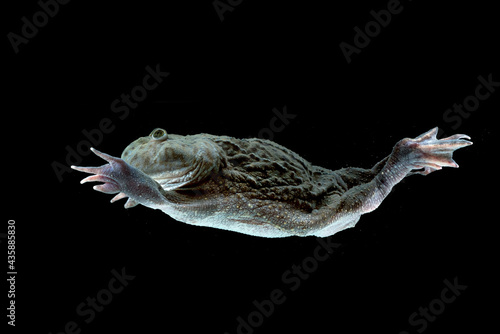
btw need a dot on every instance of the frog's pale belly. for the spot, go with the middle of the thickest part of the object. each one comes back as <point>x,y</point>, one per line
<point>249,227</point>
<point>262,218</point>
<point>230,220</point>
<point>268,230</point>
<point>340,224</point>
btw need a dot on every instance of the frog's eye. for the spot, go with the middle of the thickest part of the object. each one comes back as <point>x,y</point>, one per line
<point>158,134</point>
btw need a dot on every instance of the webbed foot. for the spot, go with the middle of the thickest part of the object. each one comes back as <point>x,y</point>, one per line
<point>115,176</point>
<point>429,154</point>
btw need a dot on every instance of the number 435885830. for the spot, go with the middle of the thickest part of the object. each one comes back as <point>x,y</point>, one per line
<point>11,253</point>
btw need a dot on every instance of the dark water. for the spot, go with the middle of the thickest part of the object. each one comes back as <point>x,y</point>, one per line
<point>97,75</point>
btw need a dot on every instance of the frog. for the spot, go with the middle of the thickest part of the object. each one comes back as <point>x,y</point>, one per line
<point>256,186</point>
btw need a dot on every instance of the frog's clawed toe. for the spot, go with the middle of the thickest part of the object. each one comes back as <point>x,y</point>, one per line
<point>429,154</point>
<point>130,202</point>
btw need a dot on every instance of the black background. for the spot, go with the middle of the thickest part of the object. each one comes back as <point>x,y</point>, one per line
<point>225,78</point>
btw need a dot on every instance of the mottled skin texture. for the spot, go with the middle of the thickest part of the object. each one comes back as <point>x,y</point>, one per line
<point>256,186</point>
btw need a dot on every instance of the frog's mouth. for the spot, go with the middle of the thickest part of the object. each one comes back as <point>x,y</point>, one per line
<point>176,179</point>
<point>189,175</point>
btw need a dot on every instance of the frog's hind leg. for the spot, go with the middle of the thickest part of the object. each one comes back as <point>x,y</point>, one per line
<point>421,155</point>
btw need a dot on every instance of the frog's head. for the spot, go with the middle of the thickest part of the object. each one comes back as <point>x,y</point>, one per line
<point>173,160</point>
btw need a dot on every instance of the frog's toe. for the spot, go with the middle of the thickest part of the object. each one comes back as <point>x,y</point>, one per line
<point>130,202</point>
<point>109,158</point>
<point>107,188</point>
<point>97,178</point>
<point>118,197</point>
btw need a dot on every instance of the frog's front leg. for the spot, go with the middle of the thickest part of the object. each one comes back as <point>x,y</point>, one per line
<point>120,177</point>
